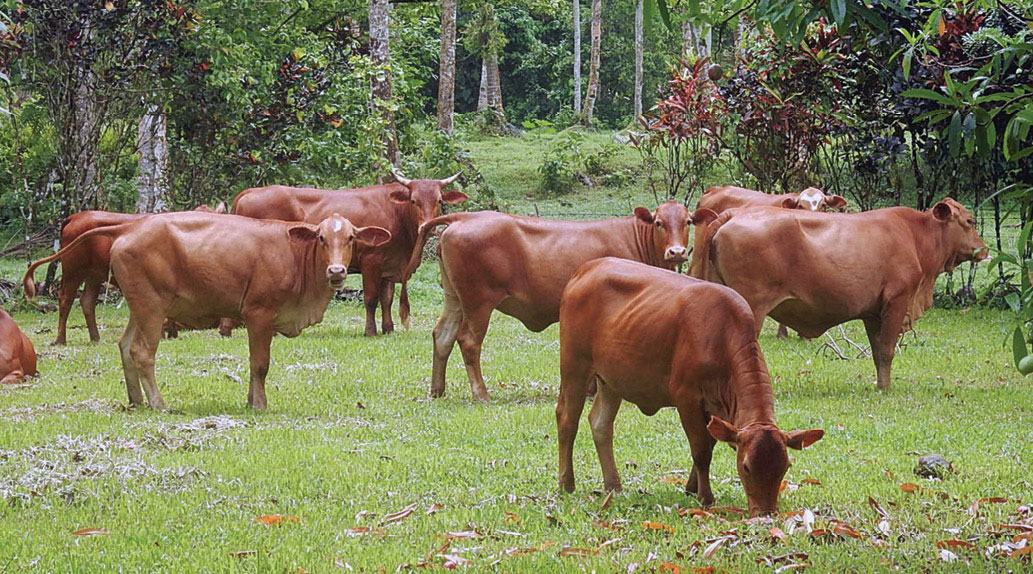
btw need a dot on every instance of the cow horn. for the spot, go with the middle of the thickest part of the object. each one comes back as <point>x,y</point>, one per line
<point>400,178</point>
<point>449,180</point>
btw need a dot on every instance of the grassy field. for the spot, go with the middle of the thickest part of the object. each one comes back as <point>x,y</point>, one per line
<point>355,469</point>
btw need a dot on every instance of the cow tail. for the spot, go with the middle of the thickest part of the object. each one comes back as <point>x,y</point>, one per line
<point>28,282</point>
<point>403,305</point>
<point>703,257</point>
<point>421,241</point>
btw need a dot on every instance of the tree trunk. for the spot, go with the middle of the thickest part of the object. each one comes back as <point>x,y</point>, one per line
<point>152,182</point>
<point>80,117</point>
<point>482,95</point>
<point>696,40</point>
<point>380,53</point>
<point>447,66</point>
<point>638,59</point>
<point>493,89</point>
<point>577,56</point>
<point>593,67</point>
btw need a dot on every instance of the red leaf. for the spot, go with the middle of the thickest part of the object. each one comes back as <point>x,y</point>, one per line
<point>956,544</point>
<point>92,532</point>
<point>274,519</point>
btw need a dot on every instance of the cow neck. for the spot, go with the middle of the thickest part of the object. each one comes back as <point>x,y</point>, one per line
<point>408,229</point>
<point>645,240</point>
<point>310,283</point>
<point>749,398</point>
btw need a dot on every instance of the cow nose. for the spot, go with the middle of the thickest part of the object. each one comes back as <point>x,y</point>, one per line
<point>675,253</point>
<point>335,270</point>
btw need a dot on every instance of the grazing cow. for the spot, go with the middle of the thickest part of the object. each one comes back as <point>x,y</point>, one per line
<point>196,268</point>
<point>397,207</point>
<point>813,271</point>
<point>661,339</point>
<point>723,198</point>
<point>17,355</point>
<point>89,264</point>
<point>520,265</point>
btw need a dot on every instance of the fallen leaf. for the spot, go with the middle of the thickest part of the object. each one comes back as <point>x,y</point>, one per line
<point>845,530</point>
<point>243,553</point>
<point>728,510</point>
<point>400,515</point>
<point>772,560</point>
<point>948,556</point>
<point>782,485</point>
<point>92,532</point>
<point>974,509</point>
<point>569,551</point>
<point>878,508</point>
<point>714,547</point>
<point>605,524</point>
<point>607,543</point>
<point>909,487</point>
<point>956,544</point>
<point>813,481</point>
<point>657,526</point>
<point>697,512</point>
<point>777,533</point>
<point>789,567</point>
<point>889,473</point>
<point>607,500</point>
<point>1022,527</point>
<point>512,517</point>
<point>808,519</point>
<point>704,570</point>
<point>434,508</point>
<point>274,519</point>
<point>340,563</point>
<point>1024,551</point>
<point>675,480</point>
<point>454,559</point>
<point>363,530</point>
<point>301,570</point>
<point>668,567</point>
<point>463,534</point>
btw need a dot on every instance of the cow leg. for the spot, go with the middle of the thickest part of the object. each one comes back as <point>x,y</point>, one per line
<point>884,345</point>
<point>694,421</point>
<point>601,417</point>
<point>471,336</point>
<point>573,381</point>
<point>783,332</point>
<point>387,297</point>
<point>88,300</point>
<point>226,327</point>
<point>142,350</point>
<point>128,367</point>
<point>260,338</point>
<point>371,294</point>
<point>65,299</point>
<point>445,333</point>
<point>403,306</point>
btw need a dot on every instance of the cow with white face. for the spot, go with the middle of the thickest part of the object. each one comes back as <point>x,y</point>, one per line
<point>814,199</point>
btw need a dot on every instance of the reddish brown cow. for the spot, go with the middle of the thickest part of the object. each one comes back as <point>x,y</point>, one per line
<point>90,264</point>
<point>397,207</point>
<point>17,355</point>
<point>813,271</point>
<point>196,268</point>
<point>721,199</point>
<point>520,265</point>
<point>661,339</point>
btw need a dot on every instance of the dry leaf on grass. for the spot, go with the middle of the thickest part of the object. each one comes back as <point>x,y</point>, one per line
<point>813,481</point>
<point>715,546</point>
<point>274,519</point>
<point>974,509</point>
<point>400,515</point>
<point>909,487</point>
<point>570,551</point>
<point>243,553</point>
<point>363,530</point>
<point>434,508</point>
<point>878,509</point>
<point>92,532</point>
<point>777,533</point>
<point>512,517</point>
<point>607,500</point>
<point>956,544</point>
<point>657,526</point>
<point>668,567</point>
<point>675,480</point>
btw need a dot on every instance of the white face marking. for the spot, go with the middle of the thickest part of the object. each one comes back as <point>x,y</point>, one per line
<point>812,198</point>
<point>338,224</point>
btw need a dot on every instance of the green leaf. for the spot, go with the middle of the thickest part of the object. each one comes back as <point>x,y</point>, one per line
<point>694,8</point>
<point>1020,243</point>
<point>1018,345</point>
<point>928,95</point>
<point>907,62</point>
<point>954,134</point>
<point>665,14</point>
<point>1012,299</point>
<point>838,11</point>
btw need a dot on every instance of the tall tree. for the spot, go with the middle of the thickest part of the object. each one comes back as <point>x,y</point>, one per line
<point>593,66</point>
<point>696,39</point>
<point>152,147</point>
<point>639,48</point>
<point>577,56</point>
<point>447,65</point>
<point>484,38</point>
<point>380,53</point>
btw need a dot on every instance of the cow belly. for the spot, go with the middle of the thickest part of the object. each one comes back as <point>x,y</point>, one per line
<point>806,320</point>
<point>535,315</point>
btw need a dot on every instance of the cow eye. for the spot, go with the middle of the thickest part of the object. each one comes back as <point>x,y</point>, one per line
<point>971,221</point>
<point>659,223</point>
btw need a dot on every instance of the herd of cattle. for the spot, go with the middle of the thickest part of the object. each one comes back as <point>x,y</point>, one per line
<point>631,328</point>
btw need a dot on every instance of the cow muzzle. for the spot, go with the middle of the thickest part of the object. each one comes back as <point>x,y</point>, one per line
<point>335,275</point>
<point>676,254</point>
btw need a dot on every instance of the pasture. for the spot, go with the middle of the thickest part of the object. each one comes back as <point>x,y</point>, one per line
<point>353,468</point>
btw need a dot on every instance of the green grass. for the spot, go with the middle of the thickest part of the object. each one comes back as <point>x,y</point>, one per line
<point>350,438</point>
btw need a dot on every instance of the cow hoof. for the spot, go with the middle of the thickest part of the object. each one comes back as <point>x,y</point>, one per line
<point>58,344</point>
<point>482,398</point>
<point>437,393</point>
<point>881,386</point>
<point>388,329</point>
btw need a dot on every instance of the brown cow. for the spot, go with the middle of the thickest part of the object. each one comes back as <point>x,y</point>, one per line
<point>17,355</point>
<point>89,264</point>
<point>520,265</point>
<point>661,339</point>
<point>723,198</point>
<point>813,271</point>
<point>196,268</point>
<point>398,207</point>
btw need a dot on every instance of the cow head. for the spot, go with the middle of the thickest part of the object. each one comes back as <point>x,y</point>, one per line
<point>335,239</point>
<point>220,208</point>
<point>761,458</point>
<point>425,196</point>
<point>671,220</point>
<point>961,237</point>
<point>814,199</point>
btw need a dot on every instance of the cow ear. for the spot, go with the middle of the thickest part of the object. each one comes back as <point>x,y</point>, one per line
<point>800,439</point>
<point>372,236</point>
<point>835,201</point>
<point>303,233</point>
<point>221,207</point>
<point>722,430</point>
<point>790,203</point>
<point>400,195</point>
<point>644,214</point>
<point>703,216</point>
<point>942,211</point>
<point>453,197</point>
